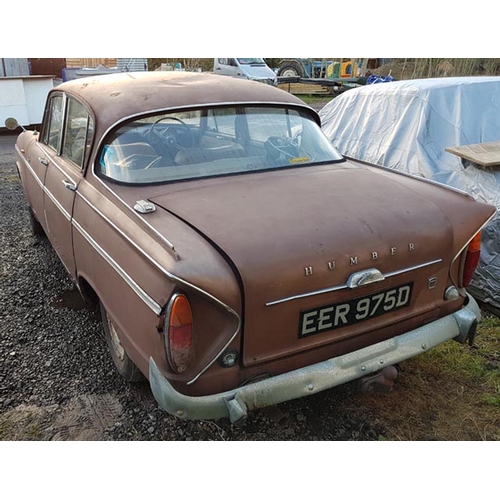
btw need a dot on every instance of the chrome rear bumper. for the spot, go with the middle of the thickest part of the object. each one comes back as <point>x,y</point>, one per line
<point>235,404</point>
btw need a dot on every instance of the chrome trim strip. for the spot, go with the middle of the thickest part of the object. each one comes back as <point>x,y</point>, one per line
<point>168,274</point>
<point>413,268</point>
<point>169,244</point>
<point>172,277</point>
<point>188,107</point>
<point>472,237</point>
<point>154,306</point>
<point>238,327</point>
<point>57,204</point>
<point>308,294</point>
<point>51,160</point>
<point>28,166</point>
<point>133,243</point>
<point>66,214</point>
<point>467,244</point>
<point>346,285</point>
<point>411,176</point>
<point>173,109</point>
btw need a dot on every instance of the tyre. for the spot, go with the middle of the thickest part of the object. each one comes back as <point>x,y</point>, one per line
<point>36,227</point>
<point>125,366</point>
<point>291,69</point>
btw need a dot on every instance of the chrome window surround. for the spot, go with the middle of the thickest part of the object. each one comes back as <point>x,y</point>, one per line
<point>174,109</point>
<point>65,99</point>
<point>49,121</point>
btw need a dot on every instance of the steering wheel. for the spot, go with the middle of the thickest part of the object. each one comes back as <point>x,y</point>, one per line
<point>170,138</point>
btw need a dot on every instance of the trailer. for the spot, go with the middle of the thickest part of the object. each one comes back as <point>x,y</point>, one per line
<point>315,68</point>
<point>322,76</point>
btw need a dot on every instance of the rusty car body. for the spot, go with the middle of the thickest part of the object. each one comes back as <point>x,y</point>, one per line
<point>238,259</point>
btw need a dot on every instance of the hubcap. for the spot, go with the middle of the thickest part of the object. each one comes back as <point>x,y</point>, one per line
<point>115,341</point>
<point>289,72</point>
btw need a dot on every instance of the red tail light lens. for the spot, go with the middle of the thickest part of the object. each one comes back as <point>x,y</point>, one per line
<point>179,333</point>
<point>471,259</point>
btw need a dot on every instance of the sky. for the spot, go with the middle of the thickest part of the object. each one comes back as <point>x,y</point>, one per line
<point>387,28</point>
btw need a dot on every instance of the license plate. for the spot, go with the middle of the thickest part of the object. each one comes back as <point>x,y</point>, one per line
<point>333,316</point>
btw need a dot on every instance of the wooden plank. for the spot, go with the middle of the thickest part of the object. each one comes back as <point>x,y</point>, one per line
<point>90,62</point>
<point>485,154</point>
<point>305,88</point>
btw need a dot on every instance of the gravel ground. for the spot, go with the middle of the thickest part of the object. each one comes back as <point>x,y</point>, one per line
<point>58,382</point>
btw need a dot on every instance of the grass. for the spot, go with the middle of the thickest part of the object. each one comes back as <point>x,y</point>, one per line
<point>23,423</point>
<point>450,393</point>
<point>313,99</point>
<point>5,430</point>
<point>11,178</point>
<point>478,365</point>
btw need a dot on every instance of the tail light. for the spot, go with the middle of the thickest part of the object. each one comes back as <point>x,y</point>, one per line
<point>471,259</point>
<point>179,333</point>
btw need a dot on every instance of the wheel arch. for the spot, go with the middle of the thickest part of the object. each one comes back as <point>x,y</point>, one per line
<point>87,291</point>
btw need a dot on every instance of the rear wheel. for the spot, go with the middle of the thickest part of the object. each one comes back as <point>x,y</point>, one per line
<point>291,69</point>
<point>125,366</point>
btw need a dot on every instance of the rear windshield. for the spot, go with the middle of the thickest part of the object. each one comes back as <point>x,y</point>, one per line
<point>212,142</point>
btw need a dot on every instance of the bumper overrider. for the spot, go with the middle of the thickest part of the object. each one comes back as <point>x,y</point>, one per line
<point>236,403</point>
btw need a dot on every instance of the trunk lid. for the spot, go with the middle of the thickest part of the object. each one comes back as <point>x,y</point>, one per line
<point>302,240</point>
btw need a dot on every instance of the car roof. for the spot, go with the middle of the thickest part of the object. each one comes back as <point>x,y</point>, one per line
<point>116,96</point>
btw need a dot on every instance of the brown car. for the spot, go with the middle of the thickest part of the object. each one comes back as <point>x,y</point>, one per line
<point>238,259</point>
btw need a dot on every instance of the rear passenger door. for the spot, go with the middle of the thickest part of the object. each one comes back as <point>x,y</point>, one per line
<point>64,173</point>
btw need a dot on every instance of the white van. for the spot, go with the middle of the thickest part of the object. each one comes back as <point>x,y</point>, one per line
<point>252,68</point>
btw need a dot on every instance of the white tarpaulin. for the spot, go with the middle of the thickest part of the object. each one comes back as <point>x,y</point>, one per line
<point>407,125</point>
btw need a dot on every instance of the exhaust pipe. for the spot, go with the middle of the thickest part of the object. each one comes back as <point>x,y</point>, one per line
<point>380,382</point>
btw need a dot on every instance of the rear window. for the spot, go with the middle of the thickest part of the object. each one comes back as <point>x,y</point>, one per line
<point>211,142</point>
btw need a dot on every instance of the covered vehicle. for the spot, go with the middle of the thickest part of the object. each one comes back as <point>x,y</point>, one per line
<point>413,126</point>
<point>238,259</point>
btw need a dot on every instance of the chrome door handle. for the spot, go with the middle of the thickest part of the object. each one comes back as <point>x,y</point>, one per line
<point>69,185</point>
<point>43,161</point>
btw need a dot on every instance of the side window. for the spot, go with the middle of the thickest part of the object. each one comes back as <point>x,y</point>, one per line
<point>77,132</point>
<point>52,132</point>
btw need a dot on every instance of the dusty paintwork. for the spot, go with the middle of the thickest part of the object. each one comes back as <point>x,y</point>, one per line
<point>285,265</point>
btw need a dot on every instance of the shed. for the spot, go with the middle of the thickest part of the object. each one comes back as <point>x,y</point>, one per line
<point>14,67</point>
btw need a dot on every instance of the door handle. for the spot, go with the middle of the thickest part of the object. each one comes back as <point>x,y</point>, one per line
<point>43,161</point>
<point>69,185</point>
